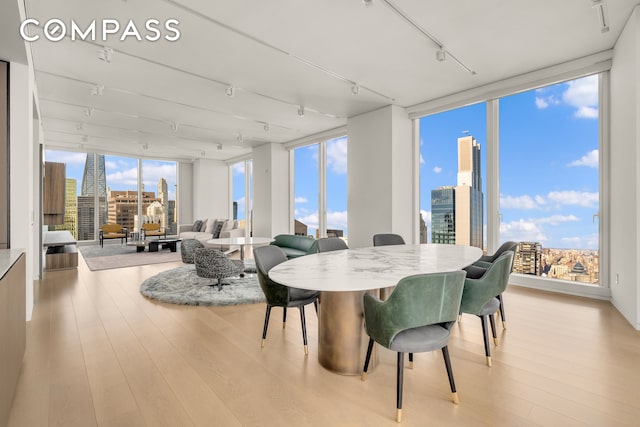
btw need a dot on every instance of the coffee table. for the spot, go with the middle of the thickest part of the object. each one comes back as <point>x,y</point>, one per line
<point>165,243</point>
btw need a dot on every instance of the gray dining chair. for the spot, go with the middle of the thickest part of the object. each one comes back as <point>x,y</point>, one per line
<point>328,244</point>
<point>479,296</point>
<point>478,268</point>
<point>279,295</point>
<point>385,239</point>
<point>417,317</point>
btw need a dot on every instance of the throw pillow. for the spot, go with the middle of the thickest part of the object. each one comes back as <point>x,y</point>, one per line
<point>211,222</point>
<point>196,225</point>
<point>217,228</point>
<point>203,227</point>
<point>228,225</point>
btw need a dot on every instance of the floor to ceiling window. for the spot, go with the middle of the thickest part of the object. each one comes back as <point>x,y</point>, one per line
<point>161,176</point>
<point>103,189</point>
<point>242,194</point>
<point>549,180</point>
<point>306,180</point>
<point>320,189</point>
<point>452,176</point>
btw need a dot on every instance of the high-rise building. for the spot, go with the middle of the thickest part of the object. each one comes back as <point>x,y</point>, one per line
<point>457,212</point>
<point>70,209</point>
<point>94,177</point>
<point>528,258</point>
<point>163,195</point>
<point>123,207</point>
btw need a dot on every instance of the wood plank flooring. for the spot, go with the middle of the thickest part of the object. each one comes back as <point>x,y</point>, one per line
<point>98,353</point>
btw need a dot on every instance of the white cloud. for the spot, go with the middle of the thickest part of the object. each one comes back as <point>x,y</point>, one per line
<point>127,178</point>
<point>583,95</point>
<point>110,165</point>
<point>522,231</point>
<point>337,155</point>
<point>300,199</point>
<point>587,113</point>
<point>574,198</point>
<point>437,169</point>
<point>65,157</point>
<point>559,198</point>
<point>541,103</point>
<point>582,242</point>
<point>519,202</point>
<point>238,168</point>
<point>421,159</point>
<point>590,159</point>
<point>555,219</point>
<point>310,220</point>
<point>337,220</point>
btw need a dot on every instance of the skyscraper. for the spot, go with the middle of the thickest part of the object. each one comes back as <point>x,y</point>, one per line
<point>457,212</point>
<point>70,209</point>
<point>93,178</point>
<point>528,258</point>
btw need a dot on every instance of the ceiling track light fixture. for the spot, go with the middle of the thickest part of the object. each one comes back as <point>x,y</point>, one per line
<point>355,89</point>
<point>145,146</point>
<point>105,54</point>
<point>230,91</point>
<point>301,110</point>
<point>97,90</point>
<point>367,2</point>
<point>84,138</point>
<point>89,111</point>
<point>80,126</point>
<point>441,55</point>
<point>598,5</point>
<point>174,127</point>
<point>240,138</point>
<point>266,127</point>
<point>428,35</point>
<point>219,146</point>
<point>202,153</point>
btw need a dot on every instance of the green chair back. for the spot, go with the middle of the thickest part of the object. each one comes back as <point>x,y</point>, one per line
<point>477,292</point>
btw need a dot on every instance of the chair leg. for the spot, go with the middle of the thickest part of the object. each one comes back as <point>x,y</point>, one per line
<point>410,360</point>
<point>219,284</point>
<point>399,386</point>
<point>485,334</point>
<point>266,325</point>
<point>366,359</point>
<point>492,321</point>
<point>452,383</point>
<point>284,317</point>
<point>304,329</point>
<point>502,318</point>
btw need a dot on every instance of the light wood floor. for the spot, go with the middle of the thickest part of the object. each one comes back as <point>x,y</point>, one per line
<point>98,353</point>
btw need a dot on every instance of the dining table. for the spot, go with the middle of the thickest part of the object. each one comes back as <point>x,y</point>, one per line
<point>343,277</point>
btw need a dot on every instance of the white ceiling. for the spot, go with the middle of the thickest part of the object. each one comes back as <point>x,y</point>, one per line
<point>280,54</point>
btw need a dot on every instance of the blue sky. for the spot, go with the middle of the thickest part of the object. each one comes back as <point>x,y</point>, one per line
<point>548,161</point>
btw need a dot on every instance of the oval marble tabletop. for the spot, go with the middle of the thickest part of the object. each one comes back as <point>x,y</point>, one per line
<point>371,268</point>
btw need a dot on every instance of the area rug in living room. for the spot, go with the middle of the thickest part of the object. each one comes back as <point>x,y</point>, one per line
<point>182,285</point>
<point>120,256</point>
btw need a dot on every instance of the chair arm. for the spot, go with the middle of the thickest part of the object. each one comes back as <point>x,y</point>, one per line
<point>235,232</point>
<point>185,227</point>
<point>377,320</point>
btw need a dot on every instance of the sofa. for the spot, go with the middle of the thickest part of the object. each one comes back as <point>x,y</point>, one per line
<point>295,246</point>
<point>211,228</point>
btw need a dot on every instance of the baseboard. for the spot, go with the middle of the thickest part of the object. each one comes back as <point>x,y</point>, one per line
<point>561,286</point>
<point>634,322</point>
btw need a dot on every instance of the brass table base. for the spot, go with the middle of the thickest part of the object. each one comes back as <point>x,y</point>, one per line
<point>342,341</point>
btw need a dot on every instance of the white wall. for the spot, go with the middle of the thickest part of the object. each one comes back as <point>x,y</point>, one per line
<point>270,190</point>
<point>22,212</point>
<point>184,202</point>
<point>380,184</point>
<point>210,189</point>
<point>625,179</point>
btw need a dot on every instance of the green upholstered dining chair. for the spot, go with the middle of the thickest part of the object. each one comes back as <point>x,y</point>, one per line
<point>479,296</point>
<point>478,268</point>
<point>279,295</point>
<point>416,318</point>
<point>328,244</point>
<point>385,239</point>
